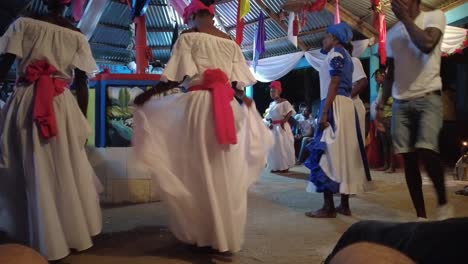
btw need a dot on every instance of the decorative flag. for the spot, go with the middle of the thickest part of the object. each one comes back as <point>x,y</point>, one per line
<point>337,13</point>
<point>243,9</point>
<point>78,6</point>
<point>291,36</point>
<point>175,34</point>
<point>382,39</point>
<point>259,42</point>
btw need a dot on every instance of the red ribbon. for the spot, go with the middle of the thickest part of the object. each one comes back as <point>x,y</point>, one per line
<point>40,73</point>
<point>382,39</point>
<point>216,81</point>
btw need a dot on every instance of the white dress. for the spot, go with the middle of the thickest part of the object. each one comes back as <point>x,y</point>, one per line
<point>337,161</point>
<point>48,189</point>
<point>282,156</point>
<point>204,183</point>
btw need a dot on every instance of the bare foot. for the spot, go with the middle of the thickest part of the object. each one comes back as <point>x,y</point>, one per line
<point>322,213</point>
<point>391,170</point>
<point>343,210</point>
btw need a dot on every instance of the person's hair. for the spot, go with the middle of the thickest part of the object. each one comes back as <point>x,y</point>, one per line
<point>349,47</point>
<point>302,105</point>
<point>379,71</point>
<point>55,6</point>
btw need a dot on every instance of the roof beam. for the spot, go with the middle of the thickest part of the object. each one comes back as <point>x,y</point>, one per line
<point>124,48</point>
<point>277,19</point>
<point>149,29</point>
<point>453,5</point>
<point>248,23</point>
<point>301,34</point>
<point>354,21</point>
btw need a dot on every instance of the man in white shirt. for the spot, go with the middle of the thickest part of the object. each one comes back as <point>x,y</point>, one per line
<point>413,47</point>
<point>306,128</point>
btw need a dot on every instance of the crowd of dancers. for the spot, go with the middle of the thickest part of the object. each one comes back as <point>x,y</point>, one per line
<point>49,192</point>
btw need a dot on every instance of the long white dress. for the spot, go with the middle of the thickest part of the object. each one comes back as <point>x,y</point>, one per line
<point>204,183</point>
<point>48,189</point>
<point>282,156</point>
<point>337,161</point>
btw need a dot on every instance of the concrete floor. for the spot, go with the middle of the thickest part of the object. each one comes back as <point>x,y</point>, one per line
<point>277,230</point>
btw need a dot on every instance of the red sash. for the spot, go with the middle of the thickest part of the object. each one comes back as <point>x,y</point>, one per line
<point>216,81</point>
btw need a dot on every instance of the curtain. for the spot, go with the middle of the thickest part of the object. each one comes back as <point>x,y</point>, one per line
<point>273,68</point>
<point>453,39</point>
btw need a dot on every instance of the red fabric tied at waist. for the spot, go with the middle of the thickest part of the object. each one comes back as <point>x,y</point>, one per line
<point>277,122</point>
<point>47,87</point>
<point>216,81</point>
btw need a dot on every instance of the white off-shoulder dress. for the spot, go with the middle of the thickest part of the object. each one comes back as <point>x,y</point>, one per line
<point>48,189</point>
<point>204,183</point>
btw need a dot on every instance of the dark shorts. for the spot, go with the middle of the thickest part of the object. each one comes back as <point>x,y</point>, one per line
<point>416,124</point>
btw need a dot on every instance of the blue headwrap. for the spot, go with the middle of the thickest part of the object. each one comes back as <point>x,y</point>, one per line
<point>341,31</point>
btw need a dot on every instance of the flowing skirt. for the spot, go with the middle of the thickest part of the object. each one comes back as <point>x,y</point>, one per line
<point>48,189</point>
<point>282,156</point>
<point>204,183</point>
<point>337,161</point>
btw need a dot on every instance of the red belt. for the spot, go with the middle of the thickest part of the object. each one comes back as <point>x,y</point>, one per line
<point>47,87</point>
<point>216,81</point>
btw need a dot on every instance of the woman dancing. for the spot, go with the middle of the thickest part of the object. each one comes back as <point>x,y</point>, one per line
<point>281,157</point>
<point>225,143</point>
<point>48,189</point>
<point>337,153</point>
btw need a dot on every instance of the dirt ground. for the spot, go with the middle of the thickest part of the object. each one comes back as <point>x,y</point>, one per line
<point>277,230</point>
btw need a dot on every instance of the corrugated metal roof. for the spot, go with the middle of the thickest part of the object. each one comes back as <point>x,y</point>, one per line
<point>112,35</point>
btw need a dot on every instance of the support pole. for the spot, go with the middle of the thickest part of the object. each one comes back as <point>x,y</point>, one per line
<point>141,45</point>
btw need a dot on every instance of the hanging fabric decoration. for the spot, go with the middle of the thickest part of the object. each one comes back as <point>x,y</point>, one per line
<point>337,12</point>
<point>382,38</point>
<point>78,6</point>
<point>259,42</point>
<point>291,36</point>
<point>296,26</point>
<point>455,41</point>
<point>381,25</point>
<point>243,9</point>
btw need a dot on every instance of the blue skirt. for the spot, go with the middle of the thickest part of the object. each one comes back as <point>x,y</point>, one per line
<point>317,149</point>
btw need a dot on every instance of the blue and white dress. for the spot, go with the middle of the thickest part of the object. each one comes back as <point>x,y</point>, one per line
<point>337,161</point>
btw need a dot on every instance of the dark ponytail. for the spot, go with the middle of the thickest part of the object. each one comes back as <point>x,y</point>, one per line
<point>207,2</point>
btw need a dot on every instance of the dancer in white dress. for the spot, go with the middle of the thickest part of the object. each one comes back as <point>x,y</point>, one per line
<point>282,156</point>
<point>48,190</point>
<point>203,148</point>
<point>337,160</point>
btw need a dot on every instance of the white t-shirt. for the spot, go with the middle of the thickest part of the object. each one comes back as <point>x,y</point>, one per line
<point>358,72</point>
<point>416,73</point>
